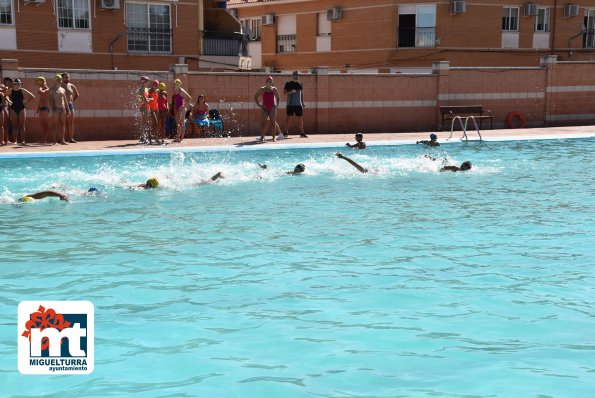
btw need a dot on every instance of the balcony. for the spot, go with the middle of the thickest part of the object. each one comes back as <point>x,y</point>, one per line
<point>149,41</point>
<point>286,43</point>
<point>224,44</point>
<point>417,37</point>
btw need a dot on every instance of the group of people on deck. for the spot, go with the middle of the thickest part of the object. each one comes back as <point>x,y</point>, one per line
<point>55,110</point>
<point>162,117</point>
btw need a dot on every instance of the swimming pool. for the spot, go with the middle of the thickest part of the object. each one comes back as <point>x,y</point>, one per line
<point>400,282</point>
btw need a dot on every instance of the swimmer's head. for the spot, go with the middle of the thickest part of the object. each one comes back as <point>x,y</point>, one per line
<point>151,183</point>
<point>156,83</point>
<point>58,77</point>
<point>433,137</point>
<point>40,80</point>
<point>466,166</point>
<point>26,199</point>
<point>359,136</point>
<point>162,86</point>
<point>269,79</point>
<point>16,81</point>
<point>144,79</point>
<point>177,82</point>
<point>300,168</point>
<point>94,190</point>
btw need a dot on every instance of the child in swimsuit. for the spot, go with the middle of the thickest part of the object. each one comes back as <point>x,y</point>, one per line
<point>180,98</point>
<point>162,112</point>
<point>43,107</point>
<point>201,114</point>
<point>18,98</point>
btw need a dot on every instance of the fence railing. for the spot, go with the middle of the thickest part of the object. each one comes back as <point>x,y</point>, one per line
<point>147,40</point>
<point>224,44</point>
<point>417,37</point>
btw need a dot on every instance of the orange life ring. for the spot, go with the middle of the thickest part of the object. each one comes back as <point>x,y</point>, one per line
<point>511,118</point>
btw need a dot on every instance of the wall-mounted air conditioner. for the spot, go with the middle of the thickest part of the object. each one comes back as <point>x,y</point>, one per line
<point>334,14</point>
<point>109,4</point>
<point>34,1</point>
<point>458,7</point>
<point>530,9</point>
<point>571,10</point>
<point>267,19</point>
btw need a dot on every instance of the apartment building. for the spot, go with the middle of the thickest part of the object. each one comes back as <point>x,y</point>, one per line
<point>119,34</point>
<point>405,35</point>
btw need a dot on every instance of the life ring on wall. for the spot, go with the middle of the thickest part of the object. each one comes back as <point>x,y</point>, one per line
<point>511,118</point>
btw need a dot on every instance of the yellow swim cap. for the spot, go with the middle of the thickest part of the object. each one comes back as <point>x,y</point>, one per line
<point>178,82</point>
<point>26,199</point>
<point>162,86</point>
<point>40,79</point>
<point>58,76</point>
<point>152,182</point>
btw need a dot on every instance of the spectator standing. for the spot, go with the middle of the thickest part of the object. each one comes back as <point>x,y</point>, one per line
<point>18,112</point>
<point>43,107</point>
<point>270,101</point>
<point>72,94</point>
<point>59,106</point>
<point>295,103</point>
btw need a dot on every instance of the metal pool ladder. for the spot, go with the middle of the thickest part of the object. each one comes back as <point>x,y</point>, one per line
<point>464,126</point>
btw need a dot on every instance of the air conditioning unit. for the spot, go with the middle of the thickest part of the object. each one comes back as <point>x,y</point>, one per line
<point>334,14</point>
<point>233,13</point>
<point>571,10</point>
<point>458,7</point>
<point>268,19</point>
<point>34,2</point>
<point>109,4</point>
<point>530,9</point>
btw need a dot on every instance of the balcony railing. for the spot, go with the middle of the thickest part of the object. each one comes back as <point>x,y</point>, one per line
<point>589,38</point>
<point>417,37</point>
<point>146,40</point>
<point>224,44</point>
<point>286,43</point>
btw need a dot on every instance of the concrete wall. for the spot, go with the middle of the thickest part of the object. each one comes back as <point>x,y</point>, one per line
<point>556,94</point>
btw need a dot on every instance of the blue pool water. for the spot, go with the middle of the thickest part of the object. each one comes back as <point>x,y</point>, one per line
<point>404,282</point>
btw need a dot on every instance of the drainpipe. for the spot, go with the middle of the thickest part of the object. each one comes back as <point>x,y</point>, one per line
<point>201,24</point>
<point>111,47</point>
<point>553,39</point>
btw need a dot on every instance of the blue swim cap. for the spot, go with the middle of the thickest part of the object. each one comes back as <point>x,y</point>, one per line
<point>433,136</point>
<point>93,190</point>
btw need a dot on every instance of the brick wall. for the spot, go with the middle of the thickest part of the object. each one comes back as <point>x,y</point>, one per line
<point>557,94</point>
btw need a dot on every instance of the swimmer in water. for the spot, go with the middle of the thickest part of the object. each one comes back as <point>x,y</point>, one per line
<point>360,143</point>
<point>43,194</point>
<point>297,170</point>
<point>433,141</point>
<point>464,167</point>
<point>153,182</point>
<point>352,162</point>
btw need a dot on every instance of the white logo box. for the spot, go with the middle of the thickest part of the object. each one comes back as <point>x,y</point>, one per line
<point>29,354</point>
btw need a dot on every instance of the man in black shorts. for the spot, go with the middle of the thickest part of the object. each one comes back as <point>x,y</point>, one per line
<point>295,104</point>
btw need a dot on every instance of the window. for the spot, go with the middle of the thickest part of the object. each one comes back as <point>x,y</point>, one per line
<point>324,25</point>
<point>286,34</point>
<point>251,28</point>
<point>149,28</point>
<point>73,14</point>
<point>510,19</point>
<point>589,35</point>
<point>5,12</point>
<point>542,20</point>
<point>417,26</point>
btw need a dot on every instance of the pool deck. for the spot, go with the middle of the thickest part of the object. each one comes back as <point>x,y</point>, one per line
<point>294,140</point>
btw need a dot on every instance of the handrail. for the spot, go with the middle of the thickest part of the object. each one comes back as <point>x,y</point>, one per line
<point>463,127</point>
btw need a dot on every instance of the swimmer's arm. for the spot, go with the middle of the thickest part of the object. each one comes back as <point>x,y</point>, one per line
<point>257,97</point>
<point>45,194</point>
<point>352,162</point>
<point>29,94</point>
<point>277,97</point>
<point>450,168</point>
<point>75,93</point>
<point>262,166</point>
